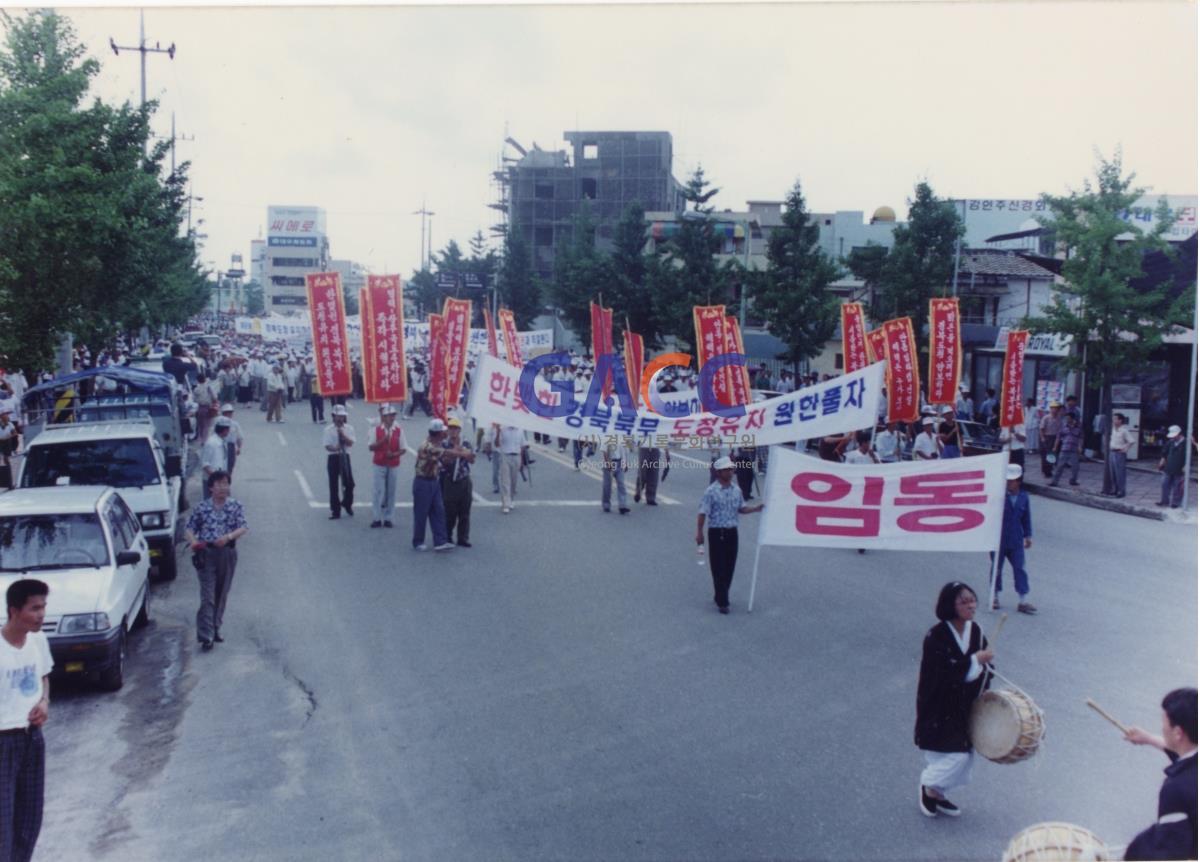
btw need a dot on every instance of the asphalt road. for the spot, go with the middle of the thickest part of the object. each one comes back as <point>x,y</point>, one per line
<point>566,690</point>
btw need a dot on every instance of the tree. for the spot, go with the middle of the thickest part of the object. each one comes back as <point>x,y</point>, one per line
<point>92,240</point>
<point>252,296</point>
<point>350,297</point>
<point>866,263</point>
<point>633,272</point>
<point>581,274</point>
<point>519,288</point>
<point>422,289</point>
<point>792,295</point>
<point>1113,325</point>
<point>482,263</point>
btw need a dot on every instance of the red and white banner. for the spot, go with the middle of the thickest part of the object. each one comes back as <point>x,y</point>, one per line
<point>877,346</point>
<point>330,349</point>
<point>602,339</point>
<point>635,359</point>
<point>945,351</point>
<point>903,384</point>
<point>709,321</point>
<point>437,365</point>
<point>381,306</point>
<point>456,315</point>
<point>854,338</point>
<point>954,505</point>
<point>1012,390</point>
<point>739,377</point>
<point>512,343</point>
<point>490,326</point>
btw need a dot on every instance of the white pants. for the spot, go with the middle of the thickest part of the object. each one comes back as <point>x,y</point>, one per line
<point>945,770</point>
<point>383,492</point>
<point>510,468</point>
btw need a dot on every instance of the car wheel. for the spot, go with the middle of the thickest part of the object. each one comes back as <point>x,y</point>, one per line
<point>113,678</point>
<point>143,615</point>
<point>166,566</point>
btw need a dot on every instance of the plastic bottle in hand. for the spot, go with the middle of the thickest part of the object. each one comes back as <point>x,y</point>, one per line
<point>699,555</point>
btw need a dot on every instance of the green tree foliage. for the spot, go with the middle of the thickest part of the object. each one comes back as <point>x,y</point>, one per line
<point>581,275</point>
<point>634,272</point>
<point>252,297</point>
<point>422,289</point>
<point>483,263</point>
<point>866,263</point>
<point>90,237</point>
<point>792,295</point>
<point>1114,325</point>
<point>519,288</point>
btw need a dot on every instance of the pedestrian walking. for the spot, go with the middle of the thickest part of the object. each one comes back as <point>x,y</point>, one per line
<point>213,530</point>
<point>927,447</point>
<point>510,443</point>
<point>276,393</point>
<point>650,465</point>
<point>8,445</point>
<point>1016,537</point>
<point>720,506</point>
<point>387,449</point>
<point>316,403</point>
<point>1171,464</point>
<point>214,455</point>
<point>953,663</point>
<point>457,490</point>
<point>25,665</point>
<point>1119,441</point>
<point>613,466</point>
<point>1013,439</point>
<point>1173,836</point>
<point>233,443</point>
<point>420,383</point>
<point>428,504</point>
<point>1068,448</point>
<point>338,439</point>
<point>206,407</point>
<point>1048,430</point>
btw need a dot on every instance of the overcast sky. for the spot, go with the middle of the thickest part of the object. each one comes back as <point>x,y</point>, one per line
<point>368,112</point>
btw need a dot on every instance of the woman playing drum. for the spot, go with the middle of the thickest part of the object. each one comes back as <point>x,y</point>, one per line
<point>952,676</point>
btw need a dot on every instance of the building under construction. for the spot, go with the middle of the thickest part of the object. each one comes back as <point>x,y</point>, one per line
<point>539,192</point>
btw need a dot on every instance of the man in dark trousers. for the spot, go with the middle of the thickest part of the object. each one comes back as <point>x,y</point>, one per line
<point>338,439</point>
<point>1016,536</point>
<point>720,507</point>
<point>456,484</point>
<point>1173,836</point>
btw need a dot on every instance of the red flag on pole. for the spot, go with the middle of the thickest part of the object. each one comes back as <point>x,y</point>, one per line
<point>493,347</point>
<point>602,340</point>
<point>945,351</point>
<point>904,385</point>
<point>876,346</point>
<point>512,346</point>
<point>635,357</point>
<point>437,365</point>
<point>1012,390</point>
<point>328,313</point>
<point>381,304</point>
<point>709,322</point>
<point>456,314</point>
<point>739,377</point>
<point>854,337</point>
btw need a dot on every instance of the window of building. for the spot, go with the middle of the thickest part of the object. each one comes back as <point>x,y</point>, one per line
<point>588,188</point>
<point>543,235</point>
<point>544,191</point>
<point>591,151</point>
<point>837,362</point>
<point>293,261</point>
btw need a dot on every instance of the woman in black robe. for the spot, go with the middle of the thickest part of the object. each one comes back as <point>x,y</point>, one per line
<point>953,674</point>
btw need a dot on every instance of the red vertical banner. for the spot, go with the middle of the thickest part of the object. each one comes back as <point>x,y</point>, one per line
<point>602,340</point>
<point>945,351</point>
<point>876,346</point>
<point>381,309</point>
<point>456,315</point>
<point>493,347</point>
<point>709,321</point>
<point>327,310</point>
<point>854,338</point>
<point>512,345</point>
<point>635,359</point>
<point>904,385</point>
<point>1012,390</point>
<point>437,365</point>
<point>739,377</point>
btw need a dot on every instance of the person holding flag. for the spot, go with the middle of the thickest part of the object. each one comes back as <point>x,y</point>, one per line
<point>720,506</point>
<point>387,449</point>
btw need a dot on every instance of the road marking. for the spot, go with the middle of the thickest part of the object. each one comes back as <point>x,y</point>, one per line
<point>495,504</point>
<point>595,471</point>
<point>282,439</point>
<point>308,494</point>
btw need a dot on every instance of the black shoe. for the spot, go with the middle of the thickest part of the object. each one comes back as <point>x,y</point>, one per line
<point>724,609</point>
<point>637,498</point>
<point>862,550</point>
<point>349,511</point>
<point>623,511</point>
<point>945,806</point>
<point>206,646</point>
<point>464,544</point>
<point>651,503</point>
<point>334,517</point>
<point>1119,496</point>
<point>1160,504</point>
<point>217,637</point>
<point>929,805</point>
<point>375,524</point>
<point>387,524</point>
<point>1074,483</point>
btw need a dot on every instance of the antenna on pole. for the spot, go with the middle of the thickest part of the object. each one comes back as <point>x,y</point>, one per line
<point>143,50</point>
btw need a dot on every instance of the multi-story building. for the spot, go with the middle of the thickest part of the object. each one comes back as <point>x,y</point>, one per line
<point>258,261</point>
<point>354,276</point>
<point>297,244</point>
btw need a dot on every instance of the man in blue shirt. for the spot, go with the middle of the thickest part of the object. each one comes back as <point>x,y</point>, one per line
<point>721,504</point>
<point>1069,448</point>
<point>1016,535</point>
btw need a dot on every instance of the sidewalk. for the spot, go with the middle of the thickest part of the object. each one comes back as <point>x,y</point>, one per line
<point>1142,489</point>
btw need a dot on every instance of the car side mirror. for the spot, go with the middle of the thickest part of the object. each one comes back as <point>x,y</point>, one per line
<point>174,466</point>
<point>128,558</point>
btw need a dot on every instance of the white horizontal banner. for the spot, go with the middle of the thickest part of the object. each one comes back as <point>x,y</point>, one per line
<point>951,505</point>
<point>416,335</point>
<point>836,406</point>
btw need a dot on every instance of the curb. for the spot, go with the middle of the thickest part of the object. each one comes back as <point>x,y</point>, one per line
<point>1095,502</point>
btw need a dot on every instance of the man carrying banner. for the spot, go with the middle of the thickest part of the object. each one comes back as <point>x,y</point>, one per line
<point>613,466</point>
<point>648,473</point>
<point>388,448</point>
<point>927,446</point>
<point>427,491</point>
<point>456,484</point>
<point>720,506</point>
<point>338,439</point>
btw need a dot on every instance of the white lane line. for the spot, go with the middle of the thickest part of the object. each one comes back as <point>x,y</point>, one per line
<point>596,472</point>
<point>492,504</point>
<point>680,455</point>
<point>308,494</point>
<point>282,439</point>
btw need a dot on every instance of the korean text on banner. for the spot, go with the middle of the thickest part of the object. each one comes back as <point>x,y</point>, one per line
<point>437,365</point>
<point>877,345</point>
<point>836,406</point>
<point>854,337</point>
<point>739,377</point>
<point>953,505</point>
<point>1012,390</point>
<point>456,314</point>
<point>490,326</point>
<point>709,321</point>
<point>512,344</point>
<point>602,340</point>
<point>330,349</point>
<point>945,351</point>
<point>635,360</point>
<point>904,385</point>
<point>385,372</point>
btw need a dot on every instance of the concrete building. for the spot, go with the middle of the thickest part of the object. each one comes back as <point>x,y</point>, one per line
<point>258,261</point>
<point>354,276</point>
<point>297,244</point>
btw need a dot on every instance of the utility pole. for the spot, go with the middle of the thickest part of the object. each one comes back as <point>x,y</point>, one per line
<point>142,49</point>
<point>174,137</point>
<point>424,213</point>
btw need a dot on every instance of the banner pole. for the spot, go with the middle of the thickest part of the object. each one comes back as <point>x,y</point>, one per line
<point>992,578</point>
<point>753,578</point>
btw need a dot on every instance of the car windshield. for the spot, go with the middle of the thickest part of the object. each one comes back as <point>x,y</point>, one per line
<point>119,463</point>
<point>29,542</point>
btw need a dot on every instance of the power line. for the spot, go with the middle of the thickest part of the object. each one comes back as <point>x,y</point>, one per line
<point>142,49</point>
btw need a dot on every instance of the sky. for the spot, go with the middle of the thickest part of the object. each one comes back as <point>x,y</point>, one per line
<point>371,112</point>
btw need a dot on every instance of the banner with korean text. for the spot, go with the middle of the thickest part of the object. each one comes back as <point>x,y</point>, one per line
<point>854,337</point>
<point>1012,390</point>
<point>512,344</point>
<point>456,314</point>
<point>490,326</point>
<point>877,345</point>
<point>330,348</point>
<point>836,406</point>
<point>953,505</point>
<point>739,377</point>
<point>709,323</point>
<point>945,351</point>
<point>437,366</point>
<point>602,338</point>
<point>904,385</point>
<point>385,374</point>
<point>635,360</point>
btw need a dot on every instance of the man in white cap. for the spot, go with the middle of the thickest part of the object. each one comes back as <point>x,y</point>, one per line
<point>1016,536</point>
<point>456,484</point>
<point>926,447</point>
<point>428,504</point>
<point>388,448</point>
<point>233,443</point>
<point>338,438</point>
<point>720,506</point>
<point>214,455</point>
<point>1173,460</point>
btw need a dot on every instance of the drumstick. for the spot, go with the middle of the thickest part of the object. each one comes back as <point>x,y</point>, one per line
<point>1096,707</point>
<point>996,633</point>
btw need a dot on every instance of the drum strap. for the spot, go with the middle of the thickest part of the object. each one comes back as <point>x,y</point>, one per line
<point>1017,689</point>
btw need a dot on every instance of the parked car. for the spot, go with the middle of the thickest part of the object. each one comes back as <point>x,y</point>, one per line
<point>87,545</point>
<point>978,439</point>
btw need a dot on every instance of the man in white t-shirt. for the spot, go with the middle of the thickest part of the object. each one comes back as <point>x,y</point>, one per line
<point>25,665</point>
<point>510,443</point>
<point>925,447</point>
